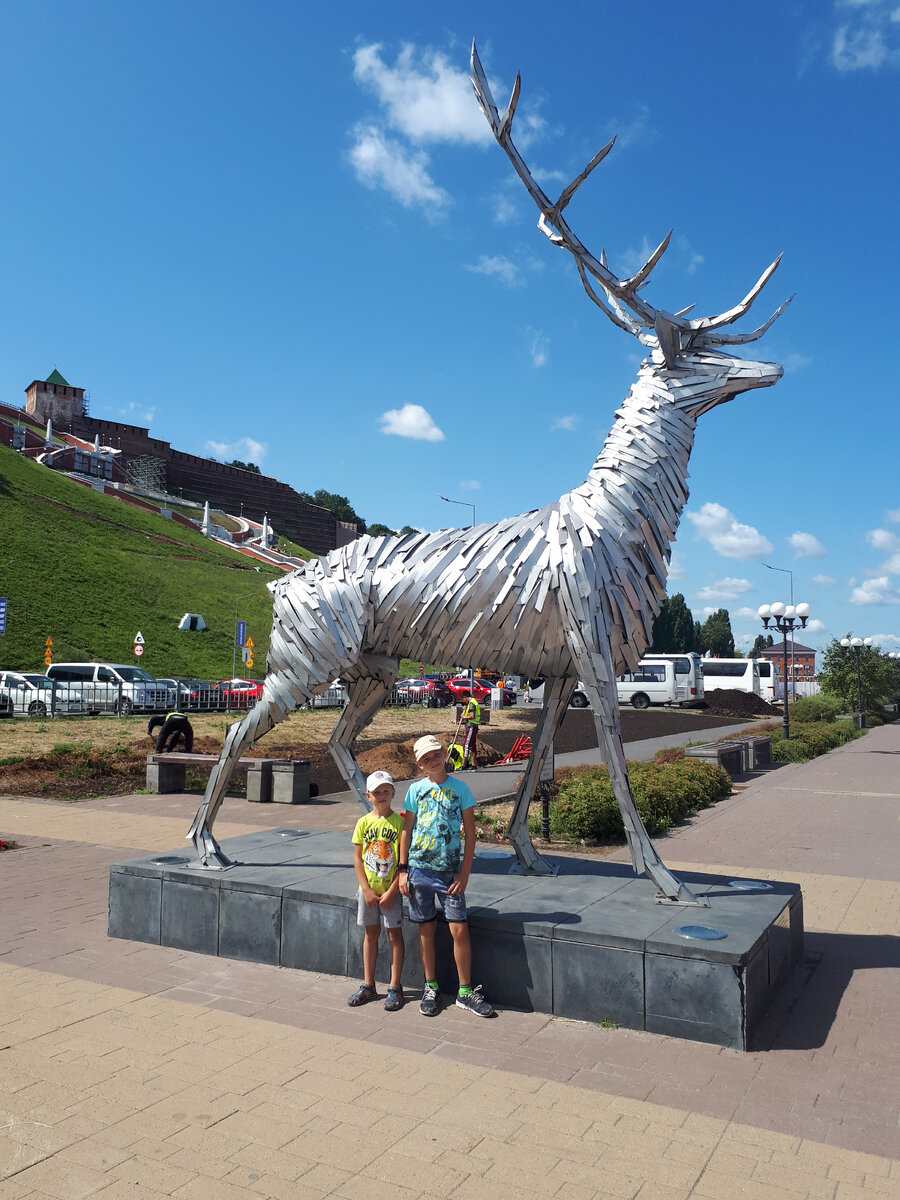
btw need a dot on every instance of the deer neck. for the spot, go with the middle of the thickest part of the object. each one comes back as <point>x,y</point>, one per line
<point>637,487</point>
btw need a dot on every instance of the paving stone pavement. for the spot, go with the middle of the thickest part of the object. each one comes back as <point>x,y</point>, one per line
<point>142,1071</point>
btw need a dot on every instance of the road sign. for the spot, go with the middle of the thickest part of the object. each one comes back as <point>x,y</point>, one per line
<point>242,632</point>
<point>3,614</point>
<point>49,642</point>
<point>139,638</point>
<point>250,659</point>
<point>245,654</point>
<point>138,649</point>
<point>249,643</point>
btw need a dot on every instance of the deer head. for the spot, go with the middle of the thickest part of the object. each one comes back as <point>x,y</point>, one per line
<point>680,348</point>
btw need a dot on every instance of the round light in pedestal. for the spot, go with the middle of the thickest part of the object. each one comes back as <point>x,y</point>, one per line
<point>803,610</point>
<point>777,609</point>
<point>856,643</point>
<point>869,642</point>
<point>845,642</point>
<point>764,611</point>
<point>790,613</point>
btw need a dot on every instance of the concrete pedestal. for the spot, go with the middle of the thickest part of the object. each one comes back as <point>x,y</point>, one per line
<point>589,944</point>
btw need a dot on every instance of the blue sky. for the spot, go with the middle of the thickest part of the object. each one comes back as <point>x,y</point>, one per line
<point>283,232</point>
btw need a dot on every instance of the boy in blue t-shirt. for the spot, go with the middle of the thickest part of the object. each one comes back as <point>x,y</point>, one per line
<point>434,870</point>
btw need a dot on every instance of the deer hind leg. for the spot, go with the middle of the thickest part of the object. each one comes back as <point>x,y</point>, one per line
<point>557,694</point>
<point>264,716</point>
<point>365,695</point>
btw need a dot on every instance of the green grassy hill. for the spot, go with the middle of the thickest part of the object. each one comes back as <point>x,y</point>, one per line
<point>89,571</point>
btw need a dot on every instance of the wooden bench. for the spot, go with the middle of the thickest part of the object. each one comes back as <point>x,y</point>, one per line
<point>269,780</point>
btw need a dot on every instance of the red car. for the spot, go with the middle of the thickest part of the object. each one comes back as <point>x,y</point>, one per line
<point>239,693</point>
<point>462,688</point>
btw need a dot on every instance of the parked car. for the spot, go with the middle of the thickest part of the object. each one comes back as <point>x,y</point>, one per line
<point>238,693</point>
<point>430,693</point>
<point>334,697</point>
<point>111,687</point>
<point>188,693</point>
<point>33,694</point>
<point>462,688</point>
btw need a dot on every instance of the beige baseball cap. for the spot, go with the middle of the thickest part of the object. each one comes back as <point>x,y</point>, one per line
<point>425,745</point>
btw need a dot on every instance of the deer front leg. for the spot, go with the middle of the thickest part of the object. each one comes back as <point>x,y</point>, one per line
<point>365,695</point>
<point>600,685</point>
<point>557,694</point>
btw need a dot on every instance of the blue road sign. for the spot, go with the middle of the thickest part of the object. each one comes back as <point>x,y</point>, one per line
<point>242,632</point>
<point>3,614</point>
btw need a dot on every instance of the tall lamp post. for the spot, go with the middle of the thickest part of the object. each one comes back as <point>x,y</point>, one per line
<point>785,618</point>
<point>464,503</point>
<point>856,644</point>
<point>787,571</point>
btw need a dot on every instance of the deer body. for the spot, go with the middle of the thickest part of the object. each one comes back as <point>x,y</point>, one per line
<point>566,592</point>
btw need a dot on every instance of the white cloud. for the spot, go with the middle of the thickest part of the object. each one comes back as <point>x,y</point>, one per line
<point>498,267</point>
<point>637,129</point>
<point>728,536</point>
<point>815,625</point>
<point>568,423</point>
<point>540,348</point>
<point>824,580</point>
<point>893,514</point>
<point>135,412</point>
<point>726,589</point>
<point>875,591</point>
<point>629,262</point>
<point>887,641</point>
<point>245,449</point>
<point>892,564</point>
<point>747,614</point>
<point>867,37</point>
<point>504,210</point>
<point>805,545</point>
<point>382,162</point>
<point>411,421</point>
<point>470,485</point>
<point>883,539</point>
<point>423,96</point>
<point>693,259</point>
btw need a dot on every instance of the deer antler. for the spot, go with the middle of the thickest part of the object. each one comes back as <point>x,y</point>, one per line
<point>620,300</point>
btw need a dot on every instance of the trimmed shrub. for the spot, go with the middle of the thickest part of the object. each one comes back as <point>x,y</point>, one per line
<point>816,708</point>
<point>669,754</point>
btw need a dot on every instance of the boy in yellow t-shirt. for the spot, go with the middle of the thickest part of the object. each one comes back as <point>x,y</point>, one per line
<point>376,840</point>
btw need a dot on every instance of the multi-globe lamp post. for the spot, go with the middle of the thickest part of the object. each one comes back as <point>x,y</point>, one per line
<point>785,618</point>
<point>858,644</point>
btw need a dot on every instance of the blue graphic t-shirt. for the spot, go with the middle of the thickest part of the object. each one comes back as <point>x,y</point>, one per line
<point>439,807</point>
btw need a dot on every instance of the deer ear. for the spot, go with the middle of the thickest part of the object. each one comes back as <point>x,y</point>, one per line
<point>669,338</point>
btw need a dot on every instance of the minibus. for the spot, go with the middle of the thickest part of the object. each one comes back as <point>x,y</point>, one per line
<point>653,682</point>
<point>688,675</point>
<point>741,674</point>
<point>769,680</point>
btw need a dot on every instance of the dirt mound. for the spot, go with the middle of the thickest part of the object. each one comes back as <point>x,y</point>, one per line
<point>723,702</point>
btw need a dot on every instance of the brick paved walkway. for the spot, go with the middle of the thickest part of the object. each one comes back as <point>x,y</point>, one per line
<point>141,1071</point>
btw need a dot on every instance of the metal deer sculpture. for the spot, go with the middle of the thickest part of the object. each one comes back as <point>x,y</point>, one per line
<point>567,592</point>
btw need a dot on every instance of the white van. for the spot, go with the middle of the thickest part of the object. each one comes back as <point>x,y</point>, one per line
<point>740,674</point>
<point>769,680</point>
<point>112,687</point>
<point>654,682</point>
<point>688,674</point>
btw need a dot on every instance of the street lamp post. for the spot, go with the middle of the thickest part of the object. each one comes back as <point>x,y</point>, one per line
<point>787,571</point>
<point>856,644</point>
<point>465,503</point>
<point>785,618</point>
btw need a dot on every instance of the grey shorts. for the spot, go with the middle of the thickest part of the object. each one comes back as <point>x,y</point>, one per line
<point>390,918</point>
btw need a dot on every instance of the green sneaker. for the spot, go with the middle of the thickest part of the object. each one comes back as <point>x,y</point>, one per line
<point>476,1003</point>
<point>428,1005</point>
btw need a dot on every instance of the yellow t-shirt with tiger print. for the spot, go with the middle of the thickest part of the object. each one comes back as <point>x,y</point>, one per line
<point>380,841</point>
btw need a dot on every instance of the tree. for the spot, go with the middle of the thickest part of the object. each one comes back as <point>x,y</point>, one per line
<point>407,529</point>
<point>673,629</point>
<point>878,675</point>
<point>377,530</point>
<point>759,645</point>
<point>340,506</point>
<point>716,634</point>
<point>245,466</point>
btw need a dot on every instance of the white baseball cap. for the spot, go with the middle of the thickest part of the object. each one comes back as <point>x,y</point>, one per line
<point>425,745</point>
<point>376,779</point>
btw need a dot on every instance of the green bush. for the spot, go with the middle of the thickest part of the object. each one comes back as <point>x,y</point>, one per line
<point>816,708</point>
<point>810,740</point>
<point>794,750</point>
<point>585,809</point>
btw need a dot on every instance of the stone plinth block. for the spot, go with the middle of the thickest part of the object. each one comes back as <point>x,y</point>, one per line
<point>590,944</point>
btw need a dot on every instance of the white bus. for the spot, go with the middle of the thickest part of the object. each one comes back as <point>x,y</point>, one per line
<point>653,682</point>
<point>741,674</point>
<point>769,680</point>
<point>688,675</point>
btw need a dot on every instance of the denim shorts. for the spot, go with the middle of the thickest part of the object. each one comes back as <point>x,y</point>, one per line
<point>390,918</point>
<point>427,890</point>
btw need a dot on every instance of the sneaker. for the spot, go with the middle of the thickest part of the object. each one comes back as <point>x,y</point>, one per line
<point>428,1005</point>
<point>476,1003</point>
<point>394,1000</point>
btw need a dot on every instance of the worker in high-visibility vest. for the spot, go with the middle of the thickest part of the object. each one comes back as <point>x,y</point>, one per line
<point>175,725</point>
<point>472,719</point>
